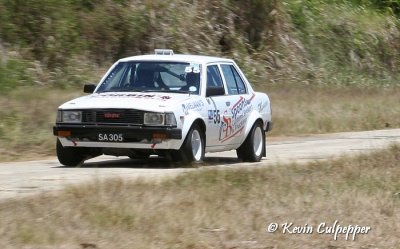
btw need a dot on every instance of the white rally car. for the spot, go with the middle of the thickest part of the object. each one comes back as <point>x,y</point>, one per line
<point>172,105</point>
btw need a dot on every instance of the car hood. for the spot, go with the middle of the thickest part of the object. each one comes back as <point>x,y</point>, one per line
<point>157,102</point>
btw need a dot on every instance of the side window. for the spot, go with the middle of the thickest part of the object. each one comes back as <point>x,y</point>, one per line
<point>233,80</point>
<point>240,84</point>
<point>230,79</point>
<point>213,76</point>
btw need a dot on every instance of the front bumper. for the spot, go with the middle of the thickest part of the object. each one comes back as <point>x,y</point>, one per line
<point>136,137</point>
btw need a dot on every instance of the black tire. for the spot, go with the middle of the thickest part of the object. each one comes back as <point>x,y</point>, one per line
<point>192,149</point>
<point>69,156</point>
<point>252,149</point>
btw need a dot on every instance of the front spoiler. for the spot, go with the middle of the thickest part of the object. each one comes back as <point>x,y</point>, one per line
<point>136,137</point>
<point>155,145</point>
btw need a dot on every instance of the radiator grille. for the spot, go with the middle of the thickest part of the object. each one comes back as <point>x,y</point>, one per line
<point>114,116</point>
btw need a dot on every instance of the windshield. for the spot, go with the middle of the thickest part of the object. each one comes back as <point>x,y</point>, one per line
<point>145,76</point>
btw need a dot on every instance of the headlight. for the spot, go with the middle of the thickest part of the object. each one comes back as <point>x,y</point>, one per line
<point>155,118</point>
<point>69,116</point>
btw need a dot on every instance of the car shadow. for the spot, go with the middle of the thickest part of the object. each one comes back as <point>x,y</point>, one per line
<point>155,163</point>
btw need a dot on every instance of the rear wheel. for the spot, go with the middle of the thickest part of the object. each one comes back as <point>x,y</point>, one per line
<point>69,156</point>
<point>253,147</point>
<point>192,149</point>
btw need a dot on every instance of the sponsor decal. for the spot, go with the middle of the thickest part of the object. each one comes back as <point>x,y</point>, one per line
<point>262,106</point>
<point>210,115</point>
<point>227,128</point>
<point>195,105</point>
<point>132,95</point>
<point>234,124</point>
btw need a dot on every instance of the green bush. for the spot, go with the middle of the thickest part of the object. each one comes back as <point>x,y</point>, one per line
<point>47,28</point>
<point>13,74</point>
<point>343,38</point>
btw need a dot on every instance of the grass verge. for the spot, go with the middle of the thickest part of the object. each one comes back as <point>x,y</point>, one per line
<point>326,109</point>
<point>26,119</point>
<point>212,208</point>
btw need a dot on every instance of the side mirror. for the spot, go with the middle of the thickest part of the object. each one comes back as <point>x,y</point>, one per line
<point>215,91</point>
<point>89,88</point>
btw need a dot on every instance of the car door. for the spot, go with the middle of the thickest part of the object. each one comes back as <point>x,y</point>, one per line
<point>218,103</point>
<point>240,105</point>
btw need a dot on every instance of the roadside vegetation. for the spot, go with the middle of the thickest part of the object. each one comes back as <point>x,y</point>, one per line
<point>328,66</point>
<point>301,110</point>
<point>217,208</point>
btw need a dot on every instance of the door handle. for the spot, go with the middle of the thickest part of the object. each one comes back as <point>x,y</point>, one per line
<point>228,103</point>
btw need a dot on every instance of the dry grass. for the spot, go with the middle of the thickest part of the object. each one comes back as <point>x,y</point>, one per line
<point>28,114</point>
<point>313,109</point>
<point>212,208</point>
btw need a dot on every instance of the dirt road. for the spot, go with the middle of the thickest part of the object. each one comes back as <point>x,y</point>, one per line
<point>19,179</point>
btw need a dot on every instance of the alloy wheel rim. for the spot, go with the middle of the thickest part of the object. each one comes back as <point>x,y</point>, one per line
<point>197,147</point>
<point>257,141</point>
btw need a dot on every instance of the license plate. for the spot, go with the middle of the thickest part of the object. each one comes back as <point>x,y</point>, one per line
<point>110,137</point>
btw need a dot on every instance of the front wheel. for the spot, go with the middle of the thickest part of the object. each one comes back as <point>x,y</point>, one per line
<point>192,149</point>
<point>69,156</point>
<point>253,147</point>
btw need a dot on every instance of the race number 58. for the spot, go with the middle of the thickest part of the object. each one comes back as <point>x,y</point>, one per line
<point>217,117</point>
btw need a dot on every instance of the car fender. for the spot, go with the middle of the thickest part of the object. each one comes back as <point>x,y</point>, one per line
<point>188,121</point>
<point>253,117</point>
<point>264,108</point>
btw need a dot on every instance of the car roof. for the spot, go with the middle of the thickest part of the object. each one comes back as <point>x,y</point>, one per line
<point>178,58</point>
